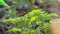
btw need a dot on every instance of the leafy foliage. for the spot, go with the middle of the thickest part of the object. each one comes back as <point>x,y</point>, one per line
<point>36,21</point>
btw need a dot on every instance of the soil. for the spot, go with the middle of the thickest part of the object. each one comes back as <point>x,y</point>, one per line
<point>56,26</point>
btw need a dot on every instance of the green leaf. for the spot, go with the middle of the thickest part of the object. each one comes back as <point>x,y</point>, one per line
<point>14,30</point>
<point>3,3</point>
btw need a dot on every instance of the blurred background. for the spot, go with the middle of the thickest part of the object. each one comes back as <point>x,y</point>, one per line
<point>18,8</point>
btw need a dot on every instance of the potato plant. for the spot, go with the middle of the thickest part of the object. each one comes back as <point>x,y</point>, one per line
<point>35,22</point>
